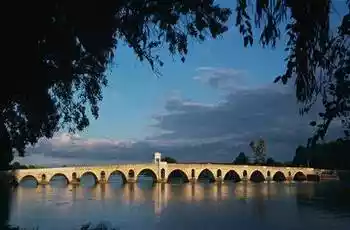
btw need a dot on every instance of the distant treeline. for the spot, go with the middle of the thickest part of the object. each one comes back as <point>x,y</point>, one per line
<point>332,155</point>
<point>17,165</point>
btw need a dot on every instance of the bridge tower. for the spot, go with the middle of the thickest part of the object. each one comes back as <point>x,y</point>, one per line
<point>161,167</point>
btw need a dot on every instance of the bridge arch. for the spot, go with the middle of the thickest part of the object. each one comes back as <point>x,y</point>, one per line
<point>177,173</point>
<point>257,176</point>
<point>64,176</point>
<point>279,176</point>
<point>89,173</point>
<point>206,175</point>
<point>28,178</point>
<point>147,172</point>
<point>232,175</point>
<point>117,173</point>
<point>299,176</point>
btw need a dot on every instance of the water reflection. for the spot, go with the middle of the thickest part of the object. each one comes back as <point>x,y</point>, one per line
<point>148,201</point>
<point>161,194</point>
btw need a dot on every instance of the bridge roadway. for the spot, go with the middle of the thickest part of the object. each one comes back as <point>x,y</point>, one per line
<point>162,172</point>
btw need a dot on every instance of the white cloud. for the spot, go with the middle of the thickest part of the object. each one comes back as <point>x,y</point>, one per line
<point>191,131</point>
<point>223,78</point>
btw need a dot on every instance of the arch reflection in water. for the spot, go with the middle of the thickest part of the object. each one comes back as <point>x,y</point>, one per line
<point>179,202</point>
<point>160,194</point>
<point>133,193</point>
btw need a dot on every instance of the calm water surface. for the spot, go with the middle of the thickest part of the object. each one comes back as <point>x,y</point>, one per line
<point>320,206</point>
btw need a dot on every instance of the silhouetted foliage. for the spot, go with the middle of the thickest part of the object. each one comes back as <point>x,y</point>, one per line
<point>169,160</point>
<point>259,150</point>
<point>318,58</point>
<point>270,161</point>
<point>59,66</point>
<point>17,165</point>
<point>241,159</point>
<point>332,155</point>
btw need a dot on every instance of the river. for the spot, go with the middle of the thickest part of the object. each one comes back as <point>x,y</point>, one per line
<point>243,205</point>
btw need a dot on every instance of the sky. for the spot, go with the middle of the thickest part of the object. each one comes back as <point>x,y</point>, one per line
<point>206,109</point>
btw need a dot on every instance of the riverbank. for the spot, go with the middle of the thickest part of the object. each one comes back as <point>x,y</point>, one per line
<point>344,175</point>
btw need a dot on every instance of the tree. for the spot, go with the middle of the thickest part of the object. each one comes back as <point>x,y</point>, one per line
<point>64,58</point>
<point>16,165</point>
<point>318,58</point>
<point>259,150</point>
<point>271,162</point>
<point>169,160</point>
<point>241,159</point>
<point>331,155</point>
<point>301,157</point>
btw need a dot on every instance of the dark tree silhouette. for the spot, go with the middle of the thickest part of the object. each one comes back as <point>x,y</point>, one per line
<point>318,57</point>
<point>169,159</point>
<point>301,157</point>
<point>331,155</point>
<point>241,159</point>
<point>16,165</point>
<point>58,66</point>
<point>259,151</point>
<point>270,161</point>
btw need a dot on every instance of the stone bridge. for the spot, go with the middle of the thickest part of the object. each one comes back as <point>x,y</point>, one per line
<point>163,172</point>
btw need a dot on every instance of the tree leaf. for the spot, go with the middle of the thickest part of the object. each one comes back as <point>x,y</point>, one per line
<point>313,123</point>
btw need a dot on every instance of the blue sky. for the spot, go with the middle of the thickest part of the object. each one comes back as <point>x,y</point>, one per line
<point>211,106</point>
<point>134,93</point>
